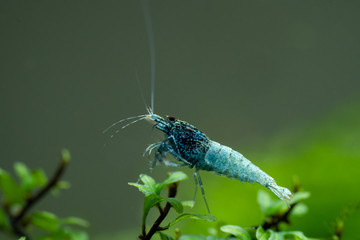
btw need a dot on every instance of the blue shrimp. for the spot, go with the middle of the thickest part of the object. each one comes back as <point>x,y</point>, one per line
<point>194,149</point>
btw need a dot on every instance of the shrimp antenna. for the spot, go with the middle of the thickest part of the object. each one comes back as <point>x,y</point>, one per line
<point>150,34</point>
<point>141,117</point>
<point>141,92</point>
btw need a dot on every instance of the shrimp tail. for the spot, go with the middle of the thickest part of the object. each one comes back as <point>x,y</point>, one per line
<point>226,161</point>
<point>282,192</point>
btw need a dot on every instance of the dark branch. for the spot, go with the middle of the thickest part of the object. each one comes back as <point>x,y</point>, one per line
<point>15,220</point>
<point>163,213</point>
<point>35,198</point>
<point>275,220</point>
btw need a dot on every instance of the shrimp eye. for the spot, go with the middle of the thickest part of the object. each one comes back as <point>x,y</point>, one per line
<point>171,118</point>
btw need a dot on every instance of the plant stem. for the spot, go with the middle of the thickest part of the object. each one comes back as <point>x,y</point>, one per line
<point>275,220</point>
<point>32,200</point>
<point>163,213</point>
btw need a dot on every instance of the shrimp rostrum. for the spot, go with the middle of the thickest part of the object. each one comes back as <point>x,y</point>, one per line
<point>194,149</point>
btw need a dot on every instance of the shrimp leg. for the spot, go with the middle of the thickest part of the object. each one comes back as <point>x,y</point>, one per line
<point>199,182</point>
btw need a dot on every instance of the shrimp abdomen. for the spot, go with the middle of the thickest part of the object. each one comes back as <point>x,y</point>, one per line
<point>226,161</point>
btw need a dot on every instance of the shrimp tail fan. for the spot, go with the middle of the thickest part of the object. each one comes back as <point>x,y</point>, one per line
<point>283,193</point>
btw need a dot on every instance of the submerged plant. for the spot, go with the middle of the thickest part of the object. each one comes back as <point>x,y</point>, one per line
<point>277,214</point>
<point>19,197</point>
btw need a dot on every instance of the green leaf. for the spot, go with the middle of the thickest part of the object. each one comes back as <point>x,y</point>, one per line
<point>22,238</point>
<point>74,221</point>
<point>149,202</point>
<point>149,186</point>
<point>299,210</point>
<point>65,155</point>
<point>24,175</point>
<point>65,233</point>
<point>213,231</point>
<point>45,220</point>
<point>149,183</point>
<point>261,234</point>
<point>176,204</point>
<point>188,203</point>
<point>264,200</point>
<point>174,177</point>
<point>63,184</point>
<point>4,222</point>
<point>299,196</point>
<point>277,206</point>
<point>295,235</point>
<point>142,188</point>
<point>60,185</point>
<point>237,231</point>
<point>39,178</point>
<point>193,237</point>
<point>76,234</point>
<point>208,218</point>
<point>275,235</point>
<point>269,206</point>
<point>164,236</point>
<point>13,193</point>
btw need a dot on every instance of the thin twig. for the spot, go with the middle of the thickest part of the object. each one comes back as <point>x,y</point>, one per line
<point>32,200</point>
<point>35,198</point>
<point>156,226</point>
<point>275,220</point>
<point>14,227</point>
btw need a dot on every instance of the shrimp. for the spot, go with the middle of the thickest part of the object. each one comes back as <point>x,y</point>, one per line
<point>194,149</point>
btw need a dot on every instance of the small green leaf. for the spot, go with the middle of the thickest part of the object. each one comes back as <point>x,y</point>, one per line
<point>294,235</point>
<point>188,203</point>
<point>176,204</point>
<point>77,235</point>
<point>164,236</point>
<point>237,231</point>
<point>63,184</point>
<point>194,237</point>
<point>65,233</point>
<point>60,185</point>
<point>264,200</point>
<point>208,218</point>
<point>213,231</point>
<point>261,234</point>
<point>24,175</point>
<point>149,202</point>
<point>65,155</point>
<point>277,206</point>
<point>149,183</point>
<point>13,193</point>
<point>275,235</point>
<point>4,222</point>
<point>45,220</point>
<point>74,221</point>
<point>299,196</point>
<point>39,178</point>
<point>142,188</point>
<point>269,206</point>
<point>174,177</point>
<point>299,210</point>
<point>22,238</point>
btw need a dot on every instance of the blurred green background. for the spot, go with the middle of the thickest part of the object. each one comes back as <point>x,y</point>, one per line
<point>276,80</point>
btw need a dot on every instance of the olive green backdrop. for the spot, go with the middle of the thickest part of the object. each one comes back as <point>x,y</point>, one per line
<point>276,80</point>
